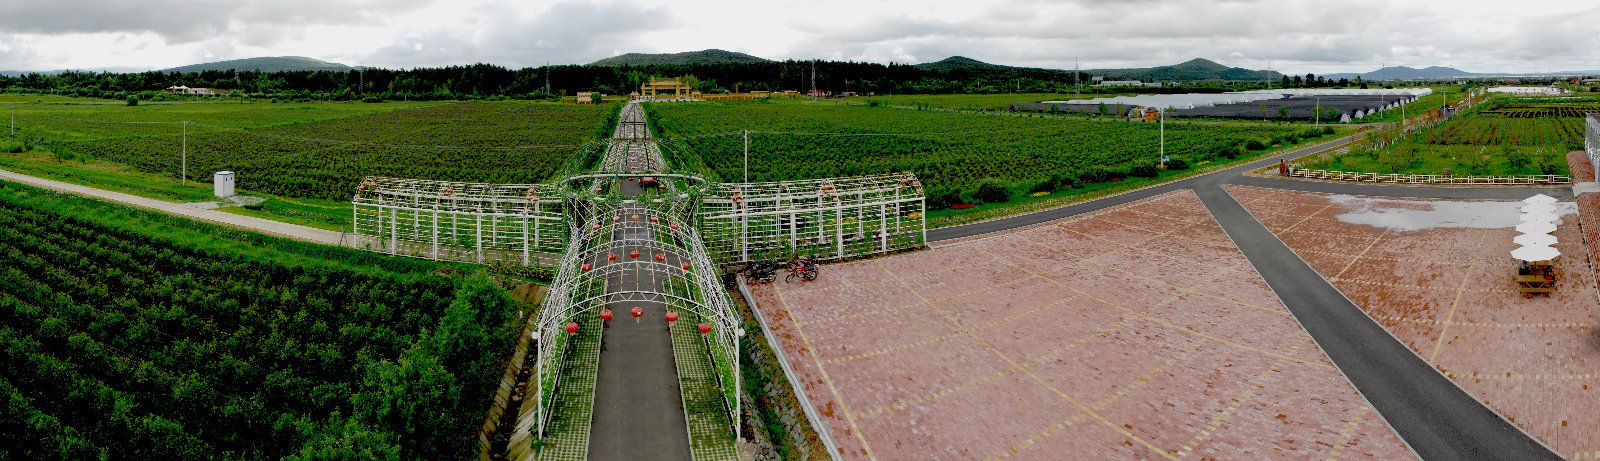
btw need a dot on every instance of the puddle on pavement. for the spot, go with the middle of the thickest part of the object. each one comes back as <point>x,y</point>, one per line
<point>1410,215</point>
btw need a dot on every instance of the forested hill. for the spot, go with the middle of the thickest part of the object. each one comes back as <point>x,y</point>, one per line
<point>482,81</point>
<point>267,64</point>
<point>711,56</point>
<point>1193,70</point>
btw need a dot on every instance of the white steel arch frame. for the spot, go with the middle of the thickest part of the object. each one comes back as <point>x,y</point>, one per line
<point>587,281</point>
<point>829,218</point>
<point>456,221</point>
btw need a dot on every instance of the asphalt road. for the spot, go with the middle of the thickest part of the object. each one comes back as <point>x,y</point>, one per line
<point>1434,416</point>
<point>638,406</point>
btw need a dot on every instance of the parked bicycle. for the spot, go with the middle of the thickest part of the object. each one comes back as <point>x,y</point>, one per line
<point>804,267</point>
<point>762,270</point>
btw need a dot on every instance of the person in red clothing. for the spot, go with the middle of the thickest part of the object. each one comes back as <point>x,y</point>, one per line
<point>1283,167</point>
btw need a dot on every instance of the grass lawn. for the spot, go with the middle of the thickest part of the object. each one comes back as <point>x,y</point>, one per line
<point>321,214</point>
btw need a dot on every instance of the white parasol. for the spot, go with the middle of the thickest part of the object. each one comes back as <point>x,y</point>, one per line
<point>1540,198</point>
<point>1539,208</point>
<point>1535,253</point>
<point>1535,239</point>
<point>1536,228</point>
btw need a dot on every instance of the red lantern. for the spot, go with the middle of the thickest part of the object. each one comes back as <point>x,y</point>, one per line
<point>705,328</point>
<point>637,312</point>
<point>605,314</point>
<point>674,226</point>
<point>672,316</point>
<point>654,219</point>
<point>633,254</point>
<point>635,217</point>
<point>596,227</point>
<point>616,219</point>
<point>611,256</point>
<point>661,256</point>
<point>572,327</point>
<point>586,267</point>
<point>685,266</point>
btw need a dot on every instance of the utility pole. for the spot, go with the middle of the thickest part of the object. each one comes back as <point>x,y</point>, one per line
<point>1163,113</point>
<point>1269,74</point>
<point>813,80</point>
<point>747,156</point>
<point>1318,112</point>
<point>185,153</point>
<point>547,77</point>
<point>13,121</point>
<point>1075,86</point>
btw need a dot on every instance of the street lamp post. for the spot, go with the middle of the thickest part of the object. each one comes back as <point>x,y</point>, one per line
<point>185,153</point>
<point>747,156</point>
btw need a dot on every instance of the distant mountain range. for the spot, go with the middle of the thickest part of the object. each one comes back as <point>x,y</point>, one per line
<point>1436,72</point>
<point>711,56</point>
<point>267,64</point>
<point>1197,69</point>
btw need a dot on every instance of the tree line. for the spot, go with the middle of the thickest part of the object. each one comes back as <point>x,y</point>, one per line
<point>486,81</point>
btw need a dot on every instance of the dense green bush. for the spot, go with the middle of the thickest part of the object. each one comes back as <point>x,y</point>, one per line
<point>1143,170</point>
<point>992,191</point>
<point>1177,164</point>
<point>164,338</point>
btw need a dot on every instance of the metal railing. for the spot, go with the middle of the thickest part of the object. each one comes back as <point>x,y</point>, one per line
<point>1490,180</point>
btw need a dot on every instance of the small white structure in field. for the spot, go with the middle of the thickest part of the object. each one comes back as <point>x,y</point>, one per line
<point>223,182</point>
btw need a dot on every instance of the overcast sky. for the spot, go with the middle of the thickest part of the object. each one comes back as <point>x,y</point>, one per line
<point>1297,36</point>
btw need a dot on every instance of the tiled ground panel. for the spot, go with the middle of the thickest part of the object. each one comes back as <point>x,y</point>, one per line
<point>567,436</point>
<point>710,432</point>
<point>1135,332</point>
<point>1448,294</point>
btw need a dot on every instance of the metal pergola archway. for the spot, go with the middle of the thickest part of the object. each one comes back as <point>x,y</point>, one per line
<point>587,281</point>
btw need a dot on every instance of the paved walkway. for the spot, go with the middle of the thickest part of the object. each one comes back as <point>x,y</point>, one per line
<point>1437,419</point>
<point>1134,332</point>
<point>265,226</point>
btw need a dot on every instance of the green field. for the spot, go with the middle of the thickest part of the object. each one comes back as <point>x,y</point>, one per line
<point>319,151</point>
<point>1019,156</point>
<point>1508,136</point>
<point>136,335</point>
<point>986,102</point>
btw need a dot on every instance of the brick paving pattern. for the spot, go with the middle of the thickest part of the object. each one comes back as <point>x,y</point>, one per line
<point>1135,332</point>
<point>1448,294</point>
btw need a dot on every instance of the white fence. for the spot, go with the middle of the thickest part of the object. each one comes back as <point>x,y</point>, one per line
<point>1534,180</point>
<point>1591,138</point>
<point>518,224</point>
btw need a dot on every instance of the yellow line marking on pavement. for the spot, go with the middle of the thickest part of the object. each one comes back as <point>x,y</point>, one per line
<point>885,280</point>
<point>1348,433</point>
<point>1402,285</point>
<point>893,349</point>
<point>1484,324</point>
<point>837,397</point>
<point>1255,386</point>
<point>1392,259</point>
<point>1234,269</point>
<point>1036,378</point>
<point>1363,253</point>
<point>1052,430</point>
<point>1182,328</point>
<point>908,306</point>
<point>1438,345</point>
<point>1516,377</point>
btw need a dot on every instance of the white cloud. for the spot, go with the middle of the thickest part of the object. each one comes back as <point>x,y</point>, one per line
<point>1298,37</point>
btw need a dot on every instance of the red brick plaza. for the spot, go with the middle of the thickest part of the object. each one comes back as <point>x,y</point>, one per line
<point>1135,332</point>
<point>1447,293</point>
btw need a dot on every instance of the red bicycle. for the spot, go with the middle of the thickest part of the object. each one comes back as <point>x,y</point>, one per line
<point>803,267</point>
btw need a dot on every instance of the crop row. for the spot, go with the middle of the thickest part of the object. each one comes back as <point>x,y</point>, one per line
<point>948,151</point>
<point>318,160</point>
<point>159,346</point>
<point>1498,130</point>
